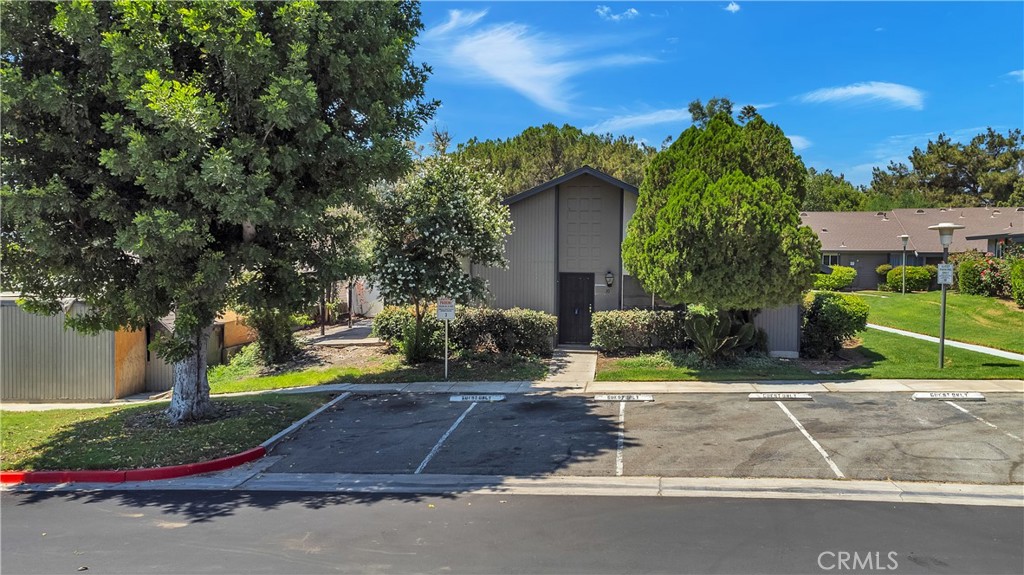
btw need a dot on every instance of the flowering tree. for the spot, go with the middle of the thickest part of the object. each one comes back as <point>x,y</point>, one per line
<point>443,218</point>
<point>171,156</point>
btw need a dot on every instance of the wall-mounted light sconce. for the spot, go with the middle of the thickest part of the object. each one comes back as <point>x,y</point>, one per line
<point>609,279</point>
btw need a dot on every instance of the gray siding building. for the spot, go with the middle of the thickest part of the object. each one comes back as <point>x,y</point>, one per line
<point>866,240</point>
<point>565,258</point>
<point>40,360</point>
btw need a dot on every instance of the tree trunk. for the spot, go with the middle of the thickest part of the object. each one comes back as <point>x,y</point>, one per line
<point>351,303</point>
<point>323,312</point>
<point>190,400</point>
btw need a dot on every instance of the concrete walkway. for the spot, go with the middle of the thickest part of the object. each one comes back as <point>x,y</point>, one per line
<point>951,343</point>
<point>571,368</point>
<point>341,336</point>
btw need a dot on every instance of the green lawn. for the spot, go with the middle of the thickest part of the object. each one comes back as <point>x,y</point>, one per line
<point>969,318</point>
<point>892,356</point>
<point>139,436</point>
<point>885,355</point>
<point>664,366</point>
<point>389,370</point>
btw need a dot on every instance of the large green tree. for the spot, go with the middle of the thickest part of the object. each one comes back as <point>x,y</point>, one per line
<point>717,221</point>
<point>539,154</point>
<point>986,171</point>
<point>431,228</point>
<point>176,156</point>
<point>827,192</point>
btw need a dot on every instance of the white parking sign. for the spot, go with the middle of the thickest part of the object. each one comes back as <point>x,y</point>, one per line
<point>945,274</point>
<point>445,308</point>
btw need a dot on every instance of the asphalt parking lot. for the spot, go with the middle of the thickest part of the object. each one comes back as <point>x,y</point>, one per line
<point>849,435</point>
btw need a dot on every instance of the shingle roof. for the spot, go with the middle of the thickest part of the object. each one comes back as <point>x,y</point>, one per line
<point>565,178</point>
<point>879,231</point>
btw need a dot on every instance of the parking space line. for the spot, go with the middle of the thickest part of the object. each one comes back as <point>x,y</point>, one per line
<point>444,437</point>
<point>821,450</point>
<point>983,421</point>
<point>621,439</point>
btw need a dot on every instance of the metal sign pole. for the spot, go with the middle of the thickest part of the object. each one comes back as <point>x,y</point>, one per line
<point>446,350</point>
<point>904,266</point>
<point>942,315</point>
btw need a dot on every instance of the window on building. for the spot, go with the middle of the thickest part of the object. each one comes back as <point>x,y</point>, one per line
<point>829,260</point>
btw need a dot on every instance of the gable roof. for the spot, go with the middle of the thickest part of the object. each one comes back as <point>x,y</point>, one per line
<point>585,170</point>
<point>879,231</point>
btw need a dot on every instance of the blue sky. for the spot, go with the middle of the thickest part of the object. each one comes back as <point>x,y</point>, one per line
<point>854,84</point>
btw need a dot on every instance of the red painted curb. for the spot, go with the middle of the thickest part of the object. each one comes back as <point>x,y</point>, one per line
<point>12,477</point>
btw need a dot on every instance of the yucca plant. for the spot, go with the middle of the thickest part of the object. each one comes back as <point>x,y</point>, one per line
<point>717,337</point>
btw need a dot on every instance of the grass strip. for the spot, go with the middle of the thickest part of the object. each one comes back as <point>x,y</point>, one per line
<point>392,370</point>
<point>138,436</point>
<point>884,356</point>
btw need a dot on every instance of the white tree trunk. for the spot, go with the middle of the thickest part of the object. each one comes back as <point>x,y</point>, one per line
<point>190,400</point>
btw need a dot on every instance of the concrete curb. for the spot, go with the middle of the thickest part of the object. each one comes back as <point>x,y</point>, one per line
<point>728,487</point>
<point>168,472</point>
<point>118,476</point>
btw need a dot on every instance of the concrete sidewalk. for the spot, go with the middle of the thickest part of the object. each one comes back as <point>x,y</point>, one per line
<point>952,343</point>
<point>579,387</point>
<point>342,336</point>
<point>570,387</point>
<point>254,477</point>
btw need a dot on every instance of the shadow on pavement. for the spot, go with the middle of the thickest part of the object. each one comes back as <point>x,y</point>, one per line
<point>205,506</point>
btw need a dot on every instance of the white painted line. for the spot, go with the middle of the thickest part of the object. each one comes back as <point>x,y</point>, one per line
<point>440,442</point>
<point>779,397</point>
<point>816,445</point>
<point>944,395</point>
<point>291,428</point>
<point>620,440</point>
<point>983,421</point>
<point>477,398</point>
<point>950,343</point>
<point>625,397</point>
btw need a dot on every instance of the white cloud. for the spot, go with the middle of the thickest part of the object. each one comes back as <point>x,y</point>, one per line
<point>457,20</point>
<point>537,66</point>
<point>800,142</point>
<point>1018,74</point>
<point>879,29</point>
<point>619,124</point>
<point>606,14</point>
<point>732,7</point>
<point>898,95</point>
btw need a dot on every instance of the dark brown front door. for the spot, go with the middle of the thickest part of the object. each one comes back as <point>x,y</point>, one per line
<point>575,304</point>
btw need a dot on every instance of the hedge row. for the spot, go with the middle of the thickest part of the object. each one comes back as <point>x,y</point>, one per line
<point>919,278</point>
<point>1017,281</point>
<point>841,278</point>
<point>638,329</point>
<point>507,331</point>
<point>829,319</point>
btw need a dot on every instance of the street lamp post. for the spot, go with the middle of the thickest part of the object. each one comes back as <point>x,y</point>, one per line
<point>946,230</point>
<point>905,239</point>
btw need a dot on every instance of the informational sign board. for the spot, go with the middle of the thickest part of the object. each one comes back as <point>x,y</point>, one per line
<point>780,397</point>
<point>445,308</point>
<point>950,395</point>
<point>945,274</point>
<point>625,397</point>
<point>477,398</point>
